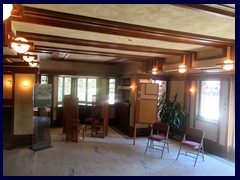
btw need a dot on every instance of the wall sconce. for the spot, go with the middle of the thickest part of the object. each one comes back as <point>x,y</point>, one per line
<point>7,8</point>
<point>182,68</point>
<point>192,90</point>
<point>21,45</point>
<point>25,83</point>
<point>227,65</point>
<point>33,63</point>
<point>9,82</point>
<point>132,87</point>
<point>28,57</point>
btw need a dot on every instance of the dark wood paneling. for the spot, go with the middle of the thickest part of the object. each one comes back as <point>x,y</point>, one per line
<point>99,44</point>
<point>141,132</point>
<point>22,140</point>
<point>77,22</point>
<point>7,127</point>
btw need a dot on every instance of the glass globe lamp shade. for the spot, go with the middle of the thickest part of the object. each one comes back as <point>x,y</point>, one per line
<point>7,8</point>
<point>33,64</point>
<point>155,71</point>
<point>182,69</point>
<point>228,65</point>
<point>28,57</point>
<point>19,47</point>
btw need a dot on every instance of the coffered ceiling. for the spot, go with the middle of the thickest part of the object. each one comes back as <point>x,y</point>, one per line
<point>115,33</point>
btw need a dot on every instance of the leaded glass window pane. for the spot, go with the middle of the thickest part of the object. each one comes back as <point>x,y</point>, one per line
<point>210,95</point>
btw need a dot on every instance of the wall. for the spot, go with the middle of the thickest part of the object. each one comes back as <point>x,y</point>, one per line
<point>179,88</point>
<point>7,86</point>
<point>23,104</point>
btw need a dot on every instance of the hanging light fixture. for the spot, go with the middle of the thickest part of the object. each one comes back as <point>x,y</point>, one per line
<point>28,57</point>
<point>155,65</point>
<point>33,63</point>
<point>182,68</point>
<point>7,8</point>
<point>155,71</point>
<point>20,45</point>
<point>228,65</point>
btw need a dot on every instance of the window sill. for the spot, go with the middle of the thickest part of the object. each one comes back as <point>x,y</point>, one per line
<point>207,120</point>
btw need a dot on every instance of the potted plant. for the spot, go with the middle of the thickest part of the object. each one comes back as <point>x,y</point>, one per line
<point>171,113</point>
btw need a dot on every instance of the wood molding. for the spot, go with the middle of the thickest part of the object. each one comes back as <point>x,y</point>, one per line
<point>95,53</point>
<point>208,9</point>
<point>77,22</point>
<point>98,44</point>
<point>15,69</point>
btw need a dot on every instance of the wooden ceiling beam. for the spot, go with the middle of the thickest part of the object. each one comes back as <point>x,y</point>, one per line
<point>99,44</point>
<point>208,9</point>
<point>44,49</point>
<point>77,22</point>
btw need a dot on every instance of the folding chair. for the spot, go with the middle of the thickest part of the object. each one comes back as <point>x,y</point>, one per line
<point>159,134</point>
<point>192,140</point>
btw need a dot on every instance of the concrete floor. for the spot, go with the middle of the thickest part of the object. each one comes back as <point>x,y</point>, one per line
<point>115,155</point>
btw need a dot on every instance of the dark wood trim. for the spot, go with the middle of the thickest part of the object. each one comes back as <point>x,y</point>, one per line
<point>22,140</point>
<point>8,102</point>
<point>22,70</point>
<point>225,5</point>
<point>95,53</point>
<point>99,44</point>
<point>189,59</point>
<point>77,22</point>
<point>17,11</point>
<point>7,31</point>
<point>232,53</point>
<point>21,64</point>
<point>202,77</point>
<point>223,55</point>
<point>141,132</point>
<point>208,9</point>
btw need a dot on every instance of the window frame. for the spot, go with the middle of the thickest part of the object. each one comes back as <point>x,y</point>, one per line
<point>86,102</point>
<point>115,91</point>
<point>202,118</point>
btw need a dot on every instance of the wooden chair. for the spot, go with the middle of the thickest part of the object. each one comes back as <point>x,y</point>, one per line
<point>192,140</point>
<point>159,134</point>
<point>96,113</point>
<point>97,128</point>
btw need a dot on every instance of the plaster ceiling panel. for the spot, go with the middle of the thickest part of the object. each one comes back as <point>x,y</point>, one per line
<point>81,57</point>
<point>163,16</point>
<point>34,28</point>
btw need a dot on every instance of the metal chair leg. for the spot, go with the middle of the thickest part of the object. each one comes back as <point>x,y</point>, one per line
<point>179,152</point>
<point>147,147</point>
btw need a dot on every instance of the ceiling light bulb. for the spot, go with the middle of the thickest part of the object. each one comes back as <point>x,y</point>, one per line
<point>155,71</point>
<point>182,69</point>
<point>7,8</point>
<point>18,47</point>
<point>228,65</point>
<point>28,57</point>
